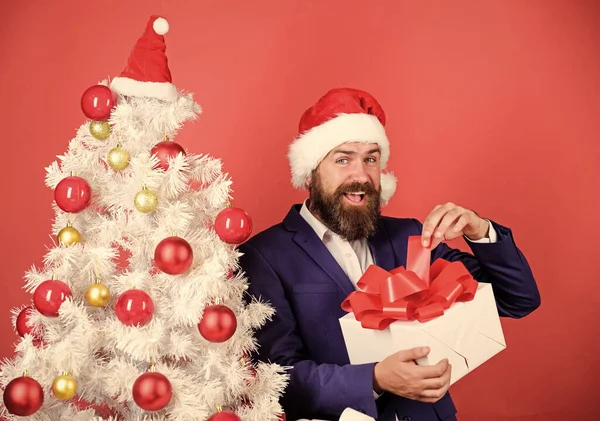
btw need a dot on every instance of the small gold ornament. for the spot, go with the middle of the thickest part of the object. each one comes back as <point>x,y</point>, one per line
<point>118,158</point>
<point>146,200</point>
<point>68,235</point>
<point>64,386</point>
<point>100,129</point>
<point>97,294</point>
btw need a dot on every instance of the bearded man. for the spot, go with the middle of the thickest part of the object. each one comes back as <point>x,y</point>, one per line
<point>309,263</point>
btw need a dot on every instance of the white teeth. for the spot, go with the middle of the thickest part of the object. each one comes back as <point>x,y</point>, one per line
<point>357,193</point>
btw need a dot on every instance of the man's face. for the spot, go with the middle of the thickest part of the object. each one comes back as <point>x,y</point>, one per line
<point>344,191</point>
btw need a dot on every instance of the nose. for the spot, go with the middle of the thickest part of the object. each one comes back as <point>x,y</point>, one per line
<point>359,172</point>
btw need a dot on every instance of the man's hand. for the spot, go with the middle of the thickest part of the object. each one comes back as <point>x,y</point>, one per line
<point>449,221</point>
<point>398,374</point>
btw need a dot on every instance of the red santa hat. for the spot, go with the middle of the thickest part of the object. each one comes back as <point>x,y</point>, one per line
<point>340,116</point>
<point>147,71</point>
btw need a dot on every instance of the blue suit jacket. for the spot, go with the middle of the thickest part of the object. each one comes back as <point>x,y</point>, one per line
<point>290,267</point>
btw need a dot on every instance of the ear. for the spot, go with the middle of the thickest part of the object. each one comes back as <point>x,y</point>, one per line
<point>308,181</point>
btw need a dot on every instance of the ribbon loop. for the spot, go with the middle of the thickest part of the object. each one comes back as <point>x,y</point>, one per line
<point>420,292</point>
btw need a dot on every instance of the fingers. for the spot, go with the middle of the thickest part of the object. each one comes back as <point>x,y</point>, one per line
<point>437,224</point>
<point>442,231</point>
<point>433,371</point>
<point>435,389</point>
<point>412,354</point>
<point>431,222</point>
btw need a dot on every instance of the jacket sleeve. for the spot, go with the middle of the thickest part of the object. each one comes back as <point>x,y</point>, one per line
<point>314,390</point>
<point>504,266</point>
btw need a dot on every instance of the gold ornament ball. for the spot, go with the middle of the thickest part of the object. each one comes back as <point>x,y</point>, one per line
<point>68,236</point>
<point>118,158</point>
<point>100,129</point>
<point>64,387</point>
<point>97,295</point>
<point>146,201</point>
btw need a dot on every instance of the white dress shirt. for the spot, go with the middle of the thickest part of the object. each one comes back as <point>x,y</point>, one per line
<point>355,257</point>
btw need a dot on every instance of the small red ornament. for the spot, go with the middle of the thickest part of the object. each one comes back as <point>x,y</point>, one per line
<point>152,391</point>
<point>72,194</point>
<point>134,308</point>
<point>165,150</point>
<point>173,255</point>
<point>218,323</point>
<point>49,296</point>
<point>224,416</point>
<point>282,417</point>
<point>97,102</point>
<point>23,396</point>
<point>233,225</point>
<point>21,323</point>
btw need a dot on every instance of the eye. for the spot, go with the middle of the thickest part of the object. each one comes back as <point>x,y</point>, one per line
<point>341,161</point>
<point>371,160</point>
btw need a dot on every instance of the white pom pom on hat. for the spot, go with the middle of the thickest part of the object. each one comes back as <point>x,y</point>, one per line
<point>161,26</point>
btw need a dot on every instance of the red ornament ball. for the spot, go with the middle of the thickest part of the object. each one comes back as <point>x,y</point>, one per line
<point>165,150</point>
<point>218,323</point>
<point>72,194</point>
<point>233,225</point>
<point>97,102</point>
<point>134,308</point>
<point>49,296</point>
<point>152,391</point>
<point>21,323</point>
<point>173,255</point>
<point>224,416</point>
<point>23,396</point>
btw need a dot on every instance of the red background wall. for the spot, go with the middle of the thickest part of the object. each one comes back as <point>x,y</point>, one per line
<point>491,104</point>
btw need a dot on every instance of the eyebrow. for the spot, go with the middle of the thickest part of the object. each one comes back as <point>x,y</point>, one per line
<point>372,151</point>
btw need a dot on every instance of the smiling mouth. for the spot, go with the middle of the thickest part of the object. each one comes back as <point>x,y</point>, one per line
<point>355,197</point>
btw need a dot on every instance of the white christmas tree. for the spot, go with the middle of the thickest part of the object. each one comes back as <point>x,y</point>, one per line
<point>140,311</point>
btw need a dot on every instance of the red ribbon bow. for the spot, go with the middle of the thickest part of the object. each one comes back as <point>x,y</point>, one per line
<point>419,292</point>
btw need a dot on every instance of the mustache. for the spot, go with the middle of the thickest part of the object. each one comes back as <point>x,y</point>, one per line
<point>356,186</point>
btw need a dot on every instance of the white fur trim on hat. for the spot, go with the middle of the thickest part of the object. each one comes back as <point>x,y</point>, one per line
<point>388,186</point>
<point>309,148</point>
<point>161,90</point>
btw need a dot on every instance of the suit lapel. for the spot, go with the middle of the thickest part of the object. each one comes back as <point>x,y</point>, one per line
<point>381,248</point>
<point>309,242</point>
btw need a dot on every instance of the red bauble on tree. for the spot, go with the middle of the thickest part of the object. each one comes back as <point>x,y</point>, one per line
<point>23,328</point>
<point>218,323</point>
<point>173,255</point>
<point>165,150</point>
<point>224,416</point>
<point>72,194</point>
<point>152,391</point>
<point>233,225</point>
<point>134,308</point>
<point>97,102</point>
<point>23,396</point>
<point>21,324</point>
<point>49,296</point>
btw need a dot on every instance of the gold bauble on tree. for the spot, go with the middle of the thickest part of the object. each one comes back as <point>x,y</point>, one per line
<point>100,129</point>
<point>118,158</point>
<point>64,386</point>
<point>97,294</point>
<point>68,235</point>
<point>146,200</point>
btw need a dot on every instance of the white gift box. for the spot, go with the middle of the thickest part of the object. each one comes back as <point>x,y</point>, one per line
<point>468,334</point>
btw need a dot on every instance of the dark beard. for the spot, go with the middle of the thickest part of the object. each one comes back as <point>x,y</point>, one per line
<point>349,222</point>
